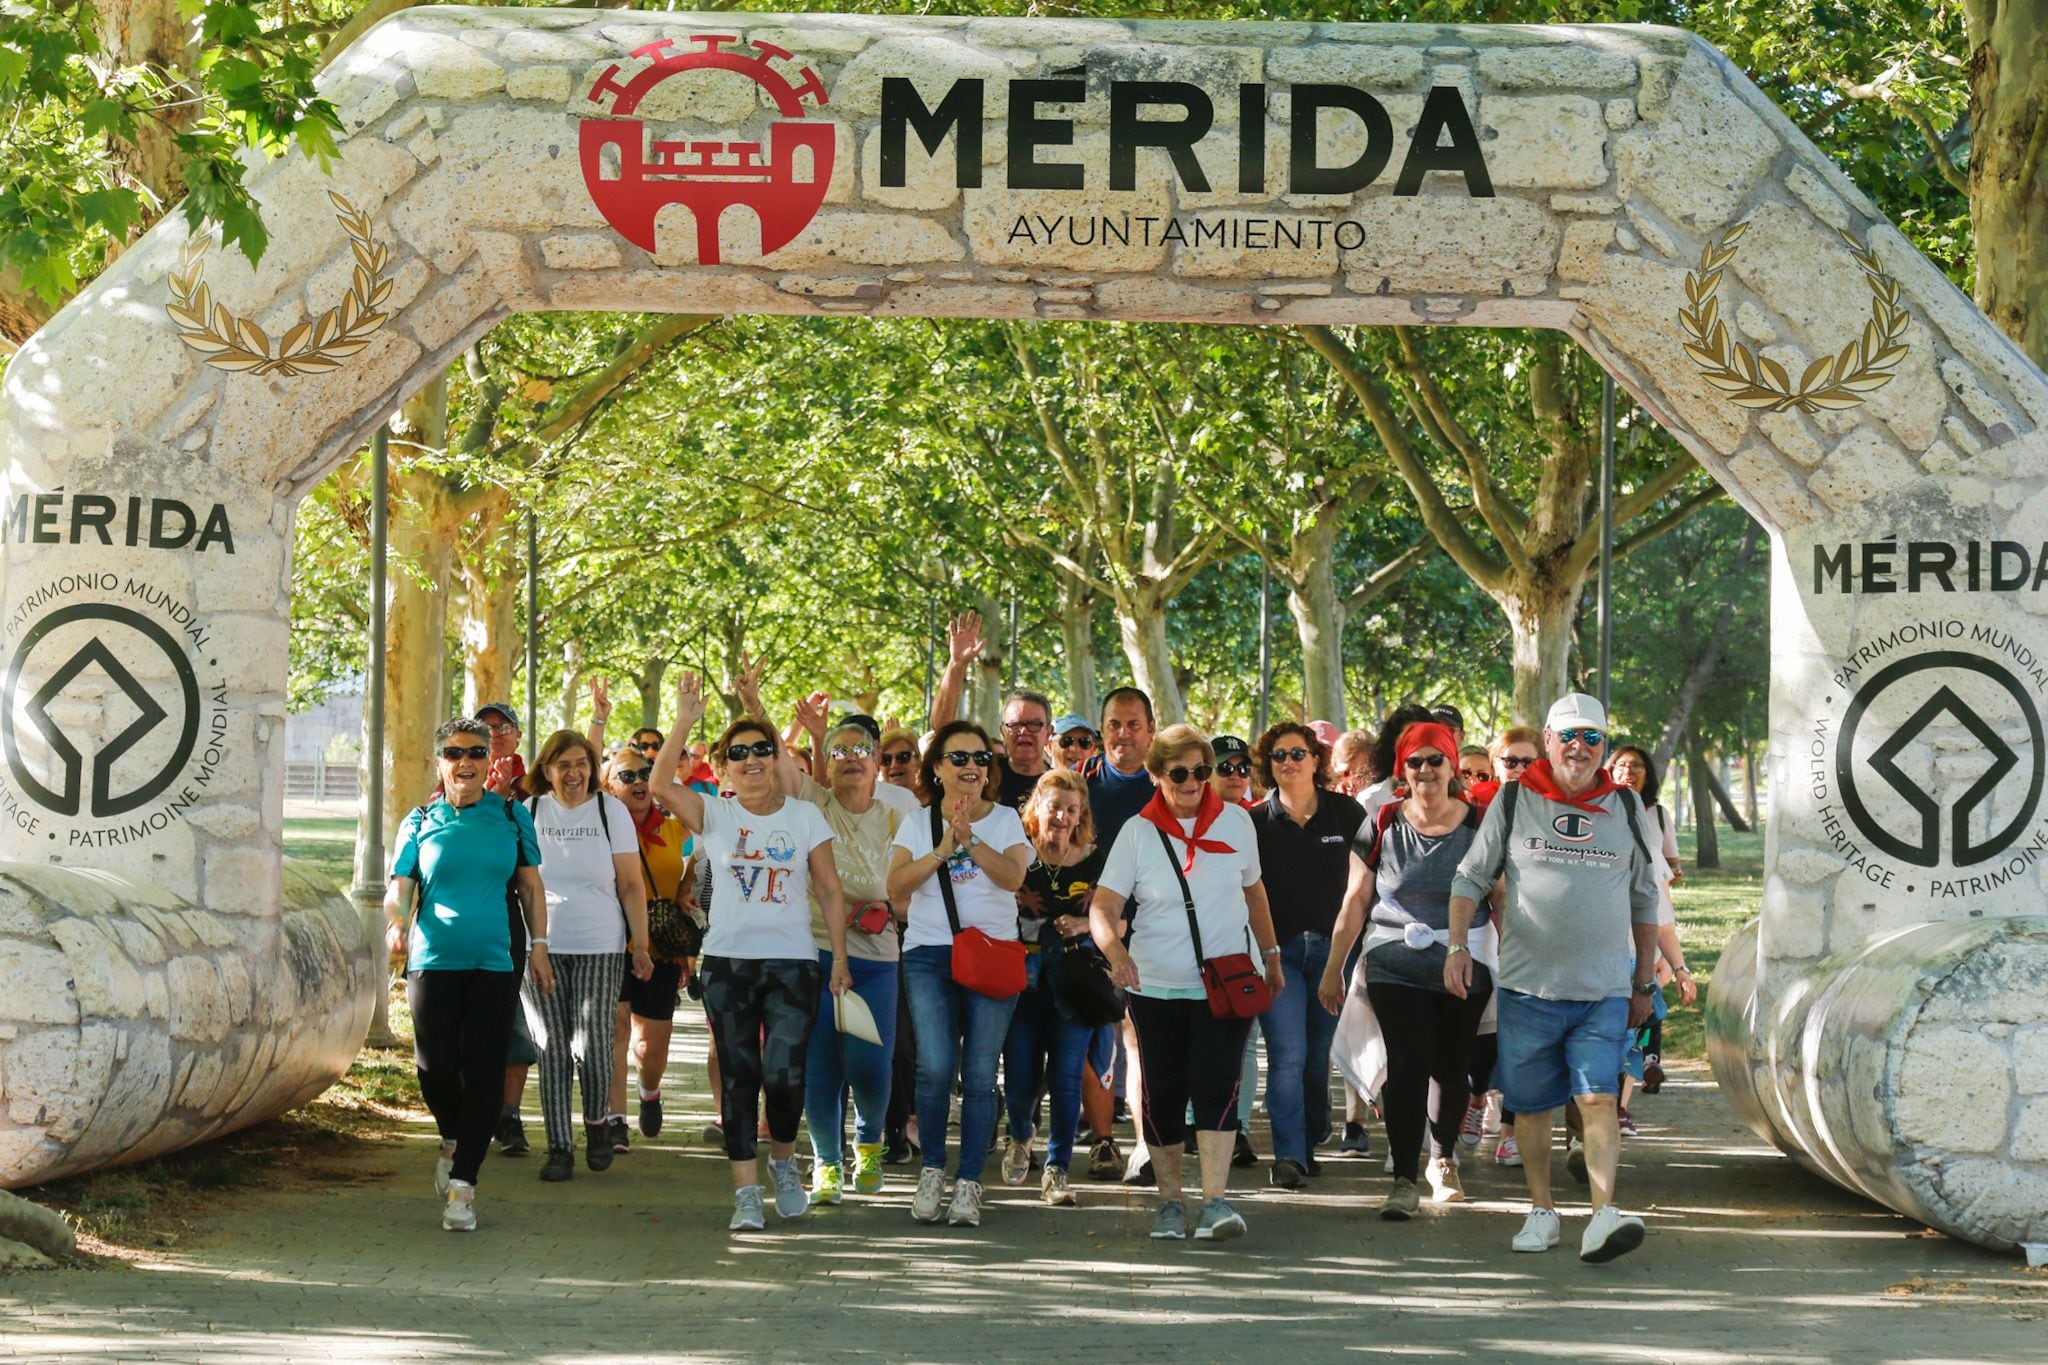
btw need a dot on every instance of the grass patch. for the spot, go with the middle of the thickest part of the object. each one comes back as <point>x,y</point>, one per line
<point>1711,905</point>
<point>328,843</point>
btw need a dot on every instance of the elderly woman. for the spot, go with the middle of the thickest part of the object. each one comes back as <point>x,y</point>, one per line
<point>597,915</point>
<point>760,968</point>
<point>1191,861</point>
<point>1406,858</point>
<point>463,961</point>
<point>645,1018</point>
<point>957,868</point>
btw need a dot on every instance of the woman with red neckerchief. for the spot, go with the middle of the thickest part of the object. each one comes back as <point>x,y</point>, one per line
<point>1186,846</point>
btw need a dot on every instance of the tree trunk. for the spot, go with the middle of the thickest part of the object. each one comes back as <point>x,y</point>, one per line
<point>1319,622</point>
<point>1749,782</point>
<point>1719,786</point>
<point>653,670</point>
<point>1707,842</point>
<point>1540,620</point>
<point>574,670</point>
<point>1077,639</point>
<point>2008,172</point>
<point>424,522</point>
<point>1702,671</point>
<point>1141,622</point>
<point>135,32</point>
<point>492,624</point>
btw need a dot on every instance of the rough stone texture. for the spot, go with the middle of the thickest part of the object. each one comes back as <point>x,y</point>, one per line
<point>1615,154</point>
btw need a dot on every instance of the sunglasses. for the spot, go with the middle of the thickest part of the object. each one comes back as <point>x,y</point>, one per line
<point>852,750</point>
<point>633,776</point>
<point>1294,755</point>
<point>899,756</point>
<point>1200,772</point>
<point>455,752</point>
<point>1077,741</point>
<point>1516,762</point>
<point>1585,735</point>
<point>643,745</point>
<point>960,758</point>
<point>1417,762</point>
<point>760,748</point>
<point>1233,770</point>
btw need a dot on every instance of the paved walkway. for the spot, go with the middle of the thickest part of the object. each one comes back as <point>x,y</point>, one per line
<point>1750,1259</point>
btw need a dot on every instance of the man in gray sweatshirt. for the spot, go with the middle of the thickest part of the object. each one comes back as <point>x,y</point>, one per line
<point>1578,927</point>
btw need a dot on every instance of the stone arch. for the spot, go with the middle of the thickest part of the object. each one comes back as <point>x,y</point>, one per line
<point>167,979</point>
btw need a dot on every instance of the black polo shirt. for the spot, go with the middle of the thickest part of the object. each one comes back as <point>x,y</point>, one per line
<point>1306,867</point>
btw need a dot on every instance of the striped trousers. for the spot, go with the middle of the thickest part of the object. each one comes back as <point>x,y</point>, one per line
<point>572,1029</point>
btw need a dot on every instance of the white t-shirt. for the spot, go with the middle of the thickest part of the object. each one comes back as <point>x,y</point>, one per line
<point>761,878</point>
<point>902,800</point>
<point>584,914</point>
<point>1159,942</point>
<point>983,905</point>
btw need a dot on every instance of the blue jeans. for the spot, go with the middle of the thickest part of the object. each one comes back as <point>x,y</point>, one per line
<point>1038,1028</point>
<point>959,1037</point>
<point>1298,1031</point>
<point>838,1061</point>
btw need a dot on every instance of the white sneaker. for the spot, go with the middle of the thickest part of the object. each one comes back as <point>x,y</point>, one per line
<point>1444,1185</point>
<point>1539,1231</point>
<point>1017,1161</point>
<point>1489,1123</point>
<point>790,1197</point>
<point>747,1213</point>
<point>458,1207</point>
<point>1052,1188</point>
<point>1612,1233</point>
<point>966,1210</point>
<point>931,1188</point>
<point>444,1169</point>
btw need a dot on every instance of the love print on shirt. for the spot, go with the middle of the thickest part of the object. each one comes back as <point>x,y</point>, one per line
<point>751,871</point>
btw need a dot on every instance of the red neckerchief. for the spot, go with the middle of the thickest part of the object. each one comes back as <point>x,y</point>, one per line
<point>1539,778</point>
<point>1158,813</point>
<point>702,775</point>
<point>648,826</point>
<point>1481,794</point>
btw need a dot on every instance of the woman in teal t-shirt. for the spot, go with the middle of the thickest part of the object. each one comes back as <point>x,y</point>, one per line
<point>455,859</point>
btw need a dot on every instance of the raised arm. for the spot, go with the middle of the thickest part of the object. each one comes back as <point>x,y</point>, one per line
<point>600,714</point>
<point>963,646</point>
<point>676,796</point>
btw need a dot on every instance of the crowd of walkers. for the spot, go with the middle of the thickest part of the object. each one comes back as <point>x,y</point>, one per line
<point>999,949</point>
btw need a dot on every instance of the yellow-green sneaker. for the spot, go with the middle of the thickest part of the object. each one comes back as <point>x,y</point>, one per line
<point>825,1183</point>
<point>867,1168</point>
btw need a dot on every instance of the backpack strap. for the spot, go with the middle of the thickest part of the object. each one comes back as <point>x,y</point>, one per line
<point>1509,794</point>
<point>1631,805</point>
<point>1381,819</point>
<point>944,874</point>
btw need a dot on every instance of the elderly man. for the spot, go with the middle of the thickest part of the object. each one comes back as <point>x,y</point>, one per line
<point>1577,957</point>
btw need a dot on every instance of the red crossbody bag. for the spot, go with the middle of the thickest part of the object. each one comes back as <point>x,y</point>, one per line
<point>988,966</point>
<point>1234,984</point>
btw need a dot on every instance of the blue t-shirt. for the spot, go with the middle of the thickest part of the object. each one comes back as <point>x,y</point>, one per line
<point>463,857</point>
<point>1114,798</point>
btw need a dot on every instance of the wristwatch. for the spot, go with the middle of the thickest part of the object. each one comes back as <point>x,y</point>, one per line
<point>1456,948</point>
<point>1647,987</point>
<point>1273,951</point>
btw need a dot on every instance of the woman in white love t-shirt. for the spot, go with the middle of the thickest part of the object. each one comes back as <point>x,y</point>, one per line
<point>982,852</point>
<point>767,855</point>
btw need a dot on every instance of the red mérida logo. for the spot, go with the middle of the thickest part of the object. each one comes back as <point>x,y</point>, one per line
<point>708,176</point>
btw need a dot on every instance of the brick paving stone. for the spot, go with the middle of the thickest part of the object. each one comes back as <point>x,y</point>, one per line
<point>1750,1258</point>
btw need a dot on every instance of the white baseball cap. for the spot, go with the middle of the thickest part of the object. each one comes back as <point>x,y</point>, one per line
<point>1575,708</point>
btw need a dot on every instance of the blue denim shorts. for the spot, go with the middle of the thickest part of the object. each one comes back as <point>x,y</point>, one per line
<point>1551,1050</point>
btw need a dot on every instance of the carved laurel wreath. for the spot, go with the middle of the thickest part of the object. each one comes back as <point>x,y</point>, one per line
<point>1752,379</point>
<point>314,346</point>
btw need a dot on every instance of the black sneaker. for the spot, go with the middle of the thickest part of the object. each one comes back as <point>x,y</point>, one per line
<point>560,1165</point>
<point>1188,1145</point>
<point>622,1141</point>
<point>1241,1153</point>
<point>650,1117</point>
<point>597,1145</point>
<point>1286,1175</point>
<point>1313,1167</point>
<point>511,1135</point>
<point>895,1149</point>
<point>1355,1143</point>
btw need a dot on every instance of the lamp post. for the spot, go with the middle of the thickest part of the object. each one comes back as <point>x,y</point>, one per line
<point>368,891</point>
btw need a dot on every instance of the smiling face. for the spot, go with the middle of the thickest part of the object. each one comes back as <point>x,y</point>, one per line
<point>898,760</point>
<point>1514,760</point>
<point>1126,733</point>
<point>463,777</point>
<point>1575,761</point>
<point>1073,748</point>
<point>1182,779</point>
<point>570,774</point>
<point>1474,768</point>
<point>963,768</point>
<point>1233,777</point>
<point>1628,770</point>
<point>627,779</point>
<point>752,775</point>
<point>504,735</point>
<point>849,758</point>
<point>1059,814</point>
<point>1427,771</point>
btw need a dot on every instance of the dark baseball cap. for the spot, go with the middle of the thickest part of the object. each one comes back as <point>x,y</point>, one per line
<point>861,721</point>
<point>1229,746</point>
<point>1448,715</point>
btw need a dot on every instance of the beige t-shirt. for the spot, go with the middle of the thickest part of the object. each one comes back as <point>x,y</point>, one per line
<point>860,850</point>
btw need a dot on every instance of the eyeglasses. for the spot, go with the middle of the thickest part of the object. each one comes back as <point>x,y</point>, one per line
<point>1077,741</point>
<point>760,748</point>
<point>455,752</point>
<point>960,758</point>
<point>899,756</point>
<point>1294,755</point>
<point>852,750</point>
<point>1030,727</point>
<point>1507,762</point>
<point>633,776</point>
<point>502,728</point>
<point>1233,770</point>
<point>1585,735</point>
<point>1200,772</point>
<point>1417,762</point>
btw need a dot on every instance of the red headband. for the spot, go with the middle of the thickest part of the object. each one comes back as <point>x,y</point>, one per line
<point>1425,735</point>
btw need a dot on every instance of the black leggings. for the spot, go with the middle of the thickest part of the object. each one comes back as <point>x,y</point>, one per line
<point>903,1068</point>
<point>1429,1038</point>
<point>1187,1055</point>
<point>461,1022</point>
<point>761,1010</point>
